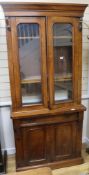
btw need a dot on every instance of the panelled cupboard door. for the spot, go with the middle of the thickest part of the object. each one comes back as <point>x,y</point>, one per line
<point>29,60</point>
<point>65,140</point>
<point>63,60</point>
<point>33,143</point>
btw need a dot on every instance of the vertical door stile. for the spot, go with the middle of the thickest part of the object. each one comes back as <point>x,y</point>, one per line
<point>50,62</point>
<point>10,63</point>
<point>78,58</point>
<point>44,62</point>
<point>15,61</point>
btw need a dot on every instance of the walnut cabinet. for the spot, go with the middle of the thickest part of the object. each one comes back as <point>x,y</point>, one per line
<point>45,65</point>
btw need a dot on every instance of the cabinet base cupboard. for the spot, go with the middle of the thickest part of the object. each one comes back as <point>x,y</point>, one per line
<point>45,65</point>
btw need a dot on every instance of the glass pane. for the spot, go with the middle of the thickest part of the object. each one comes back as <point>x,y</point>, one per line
<point>62,40</point>
<point>30,63</point>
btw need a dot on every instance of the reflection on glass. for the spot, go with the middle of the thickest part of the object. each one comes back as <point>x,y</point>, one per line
<point>30,64</point>
<point>62,40</point>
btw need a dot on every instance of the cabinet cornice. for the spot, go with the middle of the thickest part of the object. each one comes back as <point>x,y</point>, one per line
<point>11,9</point>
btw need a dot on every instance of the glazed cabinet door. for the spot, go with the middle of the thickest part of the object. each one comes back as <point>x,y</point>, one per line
<point>63,60</point>
<point>29,60</point>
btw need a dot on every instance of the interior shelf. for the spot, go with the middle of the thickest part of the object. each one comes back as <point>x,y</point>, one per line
<point>29,37</point>
<point>62,37</point>
<point>33,79</point>
<point>64,77</point>
<point>37,79</point>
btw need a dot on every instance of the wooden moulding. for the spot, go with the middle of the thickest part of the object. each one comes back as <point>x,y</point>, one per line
<point>41,112</point>
<point>11,9</point>
<point>55,165</point>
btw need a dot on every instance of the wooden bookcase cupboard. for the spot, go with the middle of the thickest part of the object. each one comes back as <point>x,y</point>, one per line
<point>45,63</point>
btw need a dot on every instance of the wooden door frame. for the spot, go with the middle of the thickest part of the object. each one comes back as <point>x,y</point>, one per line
<point>14,21</point>
<point>75,62</point>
